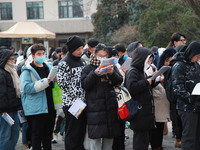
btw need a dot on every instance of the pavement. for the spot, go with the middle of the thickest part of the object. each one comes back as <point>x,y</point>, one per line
<point>168,141</point>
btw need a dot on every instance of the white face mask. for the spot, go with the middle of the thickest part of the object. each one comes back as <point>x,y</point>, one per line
<point>146,65</point>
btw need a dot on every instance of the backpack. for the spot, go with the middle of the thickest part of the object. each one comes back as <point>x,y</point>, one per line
<point>168,86</point>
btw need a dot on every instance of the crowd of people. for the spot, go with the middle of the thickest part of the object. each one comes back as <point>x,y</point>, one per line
<point>26,95</point>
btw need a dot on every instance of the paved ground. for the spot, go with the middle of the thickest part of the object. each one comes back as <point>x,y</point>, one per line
<point>168,141</point>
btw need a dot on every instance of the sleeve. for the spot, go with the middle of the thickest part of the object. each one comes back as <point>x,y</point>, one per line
<point>134,85</point>
<point>3,93</point>
<point>116,77</point>
<point>178,83</point>
<point>88,78</point>
<point>29,86</point>
<point>63,75</point>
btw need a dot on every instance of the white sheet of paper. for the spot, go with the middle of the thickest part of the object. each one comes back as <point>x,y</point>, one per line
<point>162,70</point>
<point>53,72</point>
<point>196,90</point>
<point>77,108</point>
<point>126,64</point>
<point>8,119</point>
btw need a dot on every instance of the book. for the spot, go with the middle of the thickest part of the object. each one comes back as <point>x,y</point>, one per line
<point>53,72</point>
<point>126,64</point>
<point>21,117</point>
<point>8,119</point>
<point>77,108</point>
<point>106,64</point>
<point>162,70</point>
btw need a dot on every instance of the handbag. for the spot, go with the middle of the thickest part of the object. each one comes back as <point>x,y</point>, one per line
<point>57,96</point>
<point>127,106</point>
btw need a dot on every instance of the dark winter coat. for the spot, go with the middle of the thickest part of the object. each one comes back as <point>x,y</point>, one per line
<point>8,99</point>
<point>185,75</point>
<point>102,114</point>
<point>140,91</point>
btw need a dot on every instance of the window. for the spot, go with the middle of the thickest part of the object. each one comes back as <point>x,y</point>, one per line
<point>35,10</point>
<point>5,11</point>
<point>70,9</point>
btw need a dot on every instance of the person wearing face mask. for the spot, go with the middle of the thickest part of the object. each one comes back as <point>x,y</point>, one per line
<point>140,88</point>
<point>185,75</point>
<point>37,99</point>
<point>102,109</point>
<point>9,100</point>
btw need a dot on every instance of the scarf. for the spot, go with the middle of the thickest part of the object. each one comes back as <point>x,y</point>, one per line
<point>94,61</point>
<point>10,68</point>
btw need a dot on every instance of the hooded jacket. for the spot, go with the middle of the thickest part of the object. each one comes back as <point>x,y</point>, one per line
<point>131,47</point>
<point>8,99</point>
<point>140,91</point>
<point>185,75</point>
<point>33,95</point>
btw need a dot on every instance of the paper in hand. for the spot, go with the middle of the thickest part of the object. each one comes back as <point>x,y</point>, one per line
<point>196,90</point>
<point>8,119</point>
<point>53,72</point>
<point>126,64</point>
<point>104,69</point>
<point>77,108</point>
<point>162,70</point>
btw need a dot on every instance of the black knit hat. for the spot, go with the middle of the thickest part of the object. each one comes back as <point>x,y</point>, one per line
<point>92,42</point>
<point>74,42</point>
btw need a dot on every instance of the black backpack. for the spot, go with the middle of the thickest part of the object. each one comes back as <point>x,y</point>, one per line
<point>168,86</point>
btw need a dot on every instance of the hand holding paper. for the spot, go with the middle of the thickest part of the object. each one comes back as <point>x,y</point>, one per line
<point>53,73</point>
<point>162,70</point>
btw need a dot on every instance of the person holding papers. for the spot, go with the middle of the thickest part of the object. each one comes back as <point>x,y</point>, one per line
<point>102,114</point>
<point>37,99</point>
<point>140,88</point>
<point>9,100</point>
<point>160,100</point>
<point>69,80</point>
<point>185,75</point>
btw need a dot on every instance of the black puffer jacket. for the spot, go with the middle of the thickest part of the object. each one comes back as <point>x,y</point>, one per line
<point>140,90</point>
<point>102,114</point>
<point>8,99</point>
<point>185,75</point>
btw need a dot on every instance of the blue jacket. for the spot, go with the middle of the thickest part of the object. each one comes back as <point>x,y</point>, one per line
<point>33,95</point>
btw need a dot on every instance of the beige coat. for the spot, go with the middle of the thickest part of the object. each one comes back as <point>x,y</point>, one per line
<point>162,107</point>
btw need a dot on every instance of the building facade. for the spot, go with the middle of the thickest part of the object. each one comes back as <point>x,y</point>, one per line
<point>62,17</point>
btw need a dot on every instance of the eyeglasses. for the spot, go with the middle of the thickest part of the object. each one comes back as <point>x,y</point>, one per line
<point>183,40</point>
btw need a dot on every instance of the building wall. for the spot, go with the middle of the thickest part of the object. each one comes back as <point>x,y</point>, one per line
<point>62,27</point>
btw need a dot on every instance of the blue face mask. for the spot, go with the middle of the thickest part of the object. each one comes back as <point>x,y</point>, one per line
<point>115,61</point>
<point>40,60</point>
<point>125,57</point>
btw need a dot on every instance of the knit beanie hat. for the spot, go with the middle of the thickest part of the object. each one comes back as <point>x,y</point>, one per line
<point>74,42</point>
<point>93,42</point>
